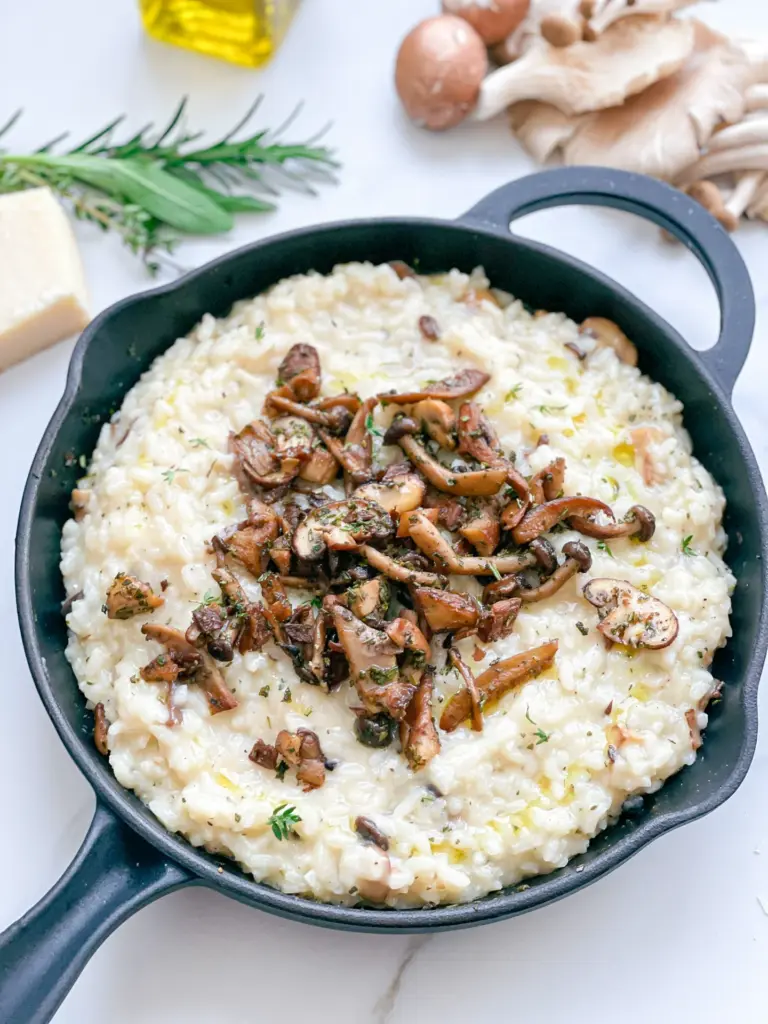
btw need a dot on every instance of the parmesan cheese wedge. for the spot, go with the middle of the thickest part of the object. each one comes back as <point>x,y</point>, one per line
<point>43,296</point>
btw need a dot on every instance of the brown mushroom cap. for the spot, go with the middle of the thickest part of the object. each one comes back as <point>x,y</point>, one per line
<point>492,21</point>
<point>439,69</point>
<point>630,616</point>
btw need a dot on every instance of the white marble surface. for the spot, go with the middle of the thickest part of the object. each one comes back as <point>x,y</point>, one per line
<point>682,930</point>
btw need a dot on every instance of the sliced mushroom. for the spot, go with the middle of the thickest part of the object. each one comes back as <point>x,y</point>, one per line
<point>335,419</point>
<point>355,454</point>
<point>100,730</point>
<point>477,483</point>
<point>630,616</point>
<point>438,420</point>
<point>513,513</point>
<point>429,328</point>
<point>428,538</point>
<point>547,484</point>
<point>464,383</point>
<point>446,610</point>
<point>398,494</point>
<point>407,636</point>
<point>638,521</point>
<point>498,621</point>
<point>482,529</point>
<point>312,760</point>
<point>342,526</point>
<point>128,596</point>
<point>607,334</point>
<point>275,597</point>
<point>497,680</point>
<point>345,400</point>
<point>369,598</point>
<point>404,529</point>
<point>371,657</point>
<point>251,540</point>
<point>254,448</point>
<point>470,688</point>
<point>264,755</point>
<point>256,631</point>
<point>542,518</point>
<point>321,468</point>
<point>293,437</point>
<point>397,571</point>
<point>478,439</point>
<point>234,595</point>
<point>369,832</point>
<point>194,665</point>
<point>418,734</point>
<point>501,589</point>
<point>162,669</point>
<point>280,553</point>
<point>301,370</point>
<point>578,559</point>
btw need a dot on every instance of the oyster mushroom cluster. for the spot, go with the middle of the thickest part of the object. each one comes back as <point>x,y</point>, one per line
<point>377,540</point>
<point>628,84</point>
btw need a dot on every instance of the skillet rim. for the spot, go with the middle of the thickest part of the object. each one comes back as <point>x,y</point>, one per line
<point>203,867</point>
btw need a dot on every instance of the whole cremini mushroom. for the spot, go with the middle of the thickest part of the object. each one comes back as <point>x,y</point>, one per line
<point>493,20</point>
<point>439,69</point>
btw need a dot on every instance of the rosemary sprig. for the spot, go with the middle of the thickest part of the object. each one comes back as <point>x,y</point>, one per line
<point>157,186</point>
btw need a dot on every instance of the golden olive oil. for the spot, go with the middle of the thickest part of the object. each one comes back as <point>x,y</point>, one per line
<point>241,31</point>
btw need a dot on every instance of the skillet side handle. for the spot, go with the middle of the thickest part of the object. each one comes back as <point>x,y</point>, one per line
<point>114,874</point>
<point>672,210</point>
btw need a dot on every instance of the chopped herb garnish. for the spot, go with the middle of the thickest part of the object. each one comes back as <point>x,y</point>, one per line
<point>199,442</point>
<point>281,769</point>
<point>541,736</point>
<point>210,597</point>
<point>371,427</point>
<point>547,409</point>
<point>287,695</point>
<point>316,602</point>
<point>264,691</point>
<point>494,571</point>
<point>282,820</point>
<point>602,545</point>
<point>685,547</point>
<point>259,332</point>
<point>169,475</point>
<point>582,628</point>
<point>513,393</point>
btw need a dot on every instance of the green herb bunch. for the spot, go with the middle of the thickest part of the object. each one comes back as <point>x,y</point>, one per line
<point>157,186</point>
<point>282,820</point>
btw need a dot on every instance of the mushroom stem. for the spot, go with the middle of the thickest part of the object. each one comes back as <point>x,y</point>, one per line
<point>746,189</point>
<point>727,161</point>
<point>756,97</point>
<point>753,131</point>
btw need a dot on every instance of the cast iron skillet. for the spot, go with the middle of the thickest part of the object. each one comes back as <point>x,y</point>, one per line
<point>128,859</point>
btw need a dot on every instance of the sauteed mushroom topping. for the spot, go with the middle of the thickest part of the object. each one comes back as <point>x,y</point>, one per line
<point>382,558</point>
<point>128,596</point>
<point>630,616</point>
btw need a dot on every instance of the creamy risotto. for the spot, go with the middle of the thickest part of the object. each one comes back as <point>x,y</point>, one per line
<point>487,782</point>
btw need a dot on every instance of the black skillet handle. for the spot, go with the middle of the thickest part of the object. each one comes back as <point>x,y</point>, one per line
<point>114,874</point>
<point>665,206</point>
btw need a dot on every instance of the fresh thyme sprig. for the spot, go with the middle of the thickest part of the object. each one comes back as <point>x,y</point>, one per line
<point>157,186</point>
<point>282,820</point>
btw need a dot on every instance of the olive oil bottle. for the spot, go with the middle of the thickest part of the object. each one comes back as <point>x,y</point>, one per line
<point>241,31</point>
